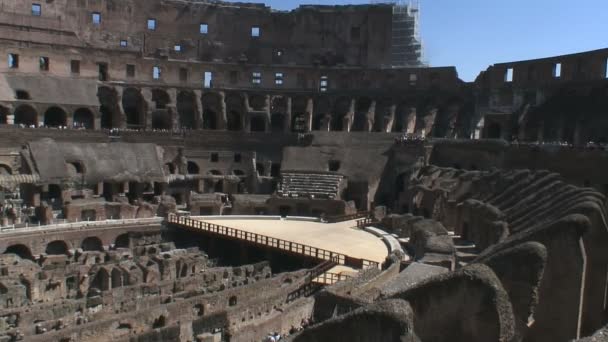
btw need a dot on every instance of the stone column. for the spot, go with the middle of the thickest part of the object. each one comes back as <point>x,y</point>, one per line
<point>268,115</point>
<point>122,117</point>
<point>371,118</point>
<point>172,109</point>
<point>198,120</point>
<point>223,116</point>
<point>150,105</point>
<point>288,116</point>
<point>349,118</point>
<point>391,119</point>
<point>310,107</point>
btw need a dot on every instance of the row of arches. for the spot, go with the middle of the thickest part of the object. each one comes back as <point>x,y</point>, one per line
<point>61,247</point>
<point>53,117</point>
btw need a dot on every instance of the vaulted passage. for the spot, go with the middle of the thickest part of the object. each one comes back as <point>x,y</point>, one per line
<point>187,109</point>
<point>109,109</point>
<point>55,117</point>
<point>134,106</point>
<point>258,123</point>
<point>360,119</point>
<point>83,118</point>
<point>235,109</point>
<point>211,110</point>
<point>26,115</point>
<point>234,121</point>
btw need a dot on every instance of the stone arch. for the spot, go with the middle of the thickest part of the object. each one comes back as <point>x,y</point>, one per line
<point>214,173</point>
<point>116,276</point>
<point>494,131</point>
<point>161,98</point>
<point>91,244</point>
<point>257,102</point>
<point>4,112</point>
<point>20,250</point>
<point>109,107</point>
<point>26,115</point>
<point>212,107</point>
<point>360,118</point>
<point>161,119</point>
<point>235,108</point>
<point>134,106</point>
<point>235,121</point>
<point>278,122</point>
<point>341,108</point>
<point>257,123</point>
<point>57,247</point>
<point>101,281</point>
<point>83,118</point>
<point>193,168</point>
<point>322,110</point>
<point>5,170</point>
<point>187,109</point>
<point>170,168</point>
<point>55,117</point>
<point>122,241</point>
<point>232,301</point>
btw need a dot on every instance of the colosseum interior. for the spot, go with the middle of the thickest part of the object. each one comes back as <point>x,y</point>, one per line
<point>303,176</point>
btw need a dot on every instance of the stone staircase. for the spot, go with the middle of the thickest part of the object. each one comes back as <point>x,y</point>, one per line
<point>466,251</point>
<point>310,185</point>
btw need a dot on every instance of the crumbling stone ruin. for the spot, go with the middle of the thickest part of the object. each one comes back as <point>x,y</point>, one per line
<point>129,129</point>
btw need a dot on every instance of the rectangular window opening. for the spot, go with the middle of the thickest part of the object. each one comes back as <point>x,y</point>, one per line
<point>156,72</point>
<point>151,24</point>
<point>208,79</point>
<point>509,75</point>
<point>124,43</point>
<point>204,29</point>
<point>278,78</point>
<point>177,48</point>
<point>96,17</point>
<point>255,31</point>
<point>130,70</point>
<point>256,77</point>
<point>13,61</point>
<point>103,71</point>
<point>215,157</point>
<point>75,67</point>
<point>44,64</point>
<point>413,79</point>
<point>183,74</point>
<point>324,84</point>
<point>557,70</point>
<point>36,10</point>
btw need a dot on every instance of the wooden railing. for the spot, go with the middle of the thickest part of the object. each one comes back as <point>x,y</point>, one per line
<point>329,278</point>
<point>267,241</point>
<point>343,218</point>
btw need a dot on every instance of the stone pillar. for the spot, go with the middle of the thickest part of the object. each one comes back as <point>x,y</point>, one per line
<point>198,120</point>
<point>310,107</point>
<point>147,95</point>
<point>172,109</point>
<point>409,121</point>
<point>350,116</point>
<point>288,116</point>
<point>223,115</point>
<point>391,119</point>
<point>268,115</point>
<point>122,120</point>
<point>371,118</point>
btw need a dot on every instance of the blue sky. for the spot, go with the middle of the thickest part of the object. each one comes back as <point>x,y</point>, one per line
<point>473,34</point>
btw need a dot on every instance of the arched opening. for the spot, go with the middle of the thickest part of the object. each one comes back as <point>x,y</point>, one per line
<point>75,169</point>
<point>26,115</point>
<point>258,123</point>
<point>494,131</point>
<point>360,118</point>
<point>122,241</point>
<point>116,278</point>
<point>234,121</point>
<point>92,244</point>
<point>159,322</point>
<point>20,250</point>
<point>55,117</point>
<point>5,170</point>
<point>186,109</point>
<point>193,168</point>
<point>257,102</point>
<point>341,108</point>
<point>218,186</point>
<point>54,192</point>
<point>83,118</point>
<point>211,107</point>
<point>57,247</point>
<point>3,115</point>
<point>232,301</point>
<point>101,281</point>
<point>214,173</point>
<point>160,98</point>
<point>277,122</point>
<point>109,109</point>
<point>260,168</point>
<point>382,115</point>
<point>134,106</point>
<point>161,119</point>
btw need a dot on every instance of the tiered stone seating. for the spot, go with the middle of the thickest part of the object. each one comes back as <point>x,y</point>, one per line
<point>310,184</point>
